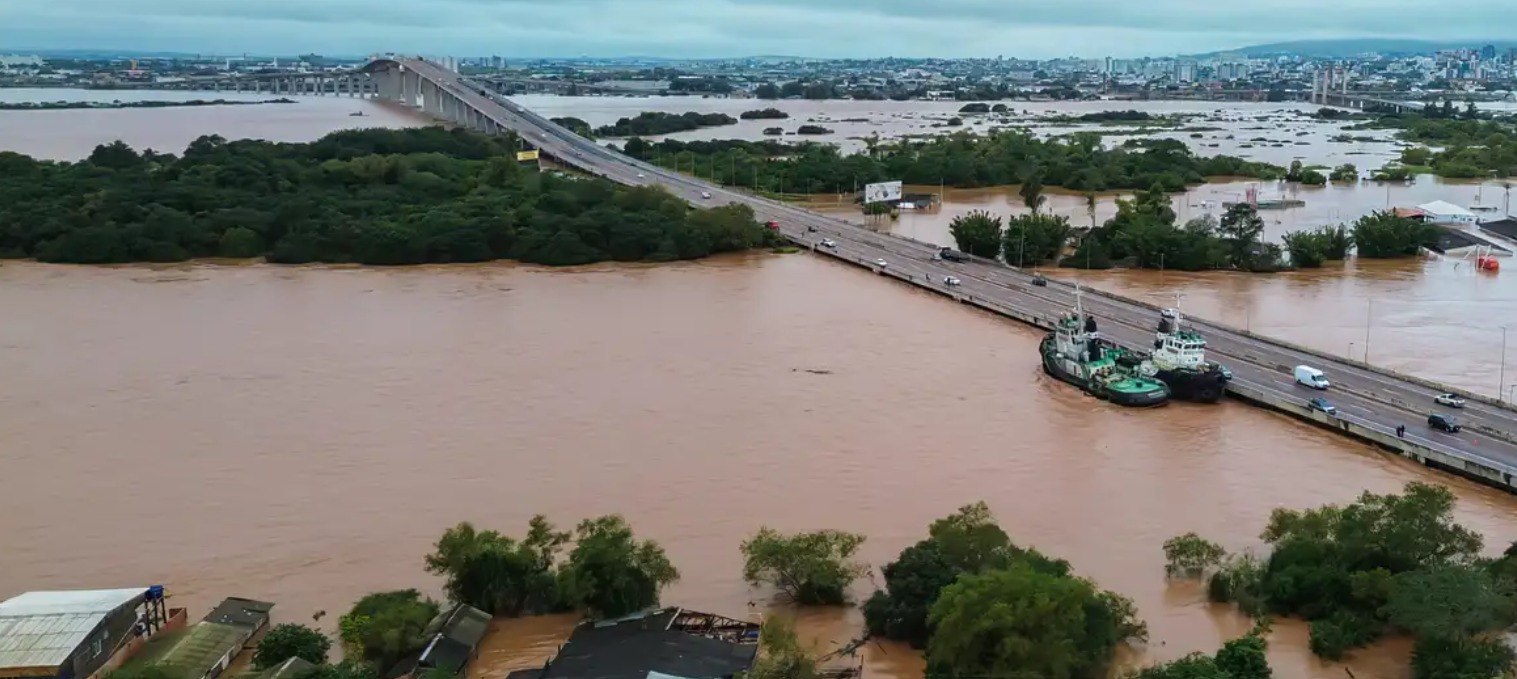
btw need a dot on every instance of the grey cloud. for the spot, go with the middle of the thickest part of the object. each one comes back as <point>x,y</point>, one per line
<point>732,27</point>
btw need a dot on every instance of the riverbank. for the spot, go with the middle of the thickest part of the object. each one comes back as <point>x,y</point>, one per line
<point>69,105</point>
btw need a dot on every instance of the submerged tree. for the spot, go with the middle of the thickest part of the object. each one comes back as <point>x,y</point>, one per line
<point>813,568</point>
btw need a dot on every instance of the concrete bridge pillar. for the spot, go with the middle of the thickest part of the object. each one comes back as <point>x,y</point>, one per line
<point>410,88</point>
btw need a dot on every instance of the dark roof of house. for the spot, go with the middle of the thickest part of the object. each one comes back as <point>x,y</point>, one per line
<point>451,638</point>
<point>668,641</point>
<point>1450,238</point>
<point>1502,227</point>
<point>240,612</point>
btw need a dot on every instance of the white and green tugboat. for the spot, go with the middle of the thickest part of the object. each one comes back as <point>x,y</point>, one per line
<point>1076,353</point>
<point>1179,361</point>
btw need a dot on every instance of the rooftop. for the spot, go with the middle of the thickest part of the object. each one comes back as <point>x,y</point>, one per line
<point>241,612</point>
<point>196,649</point>
<point>41,629</point>
<point>670,642</point>
<point>1441,207</point>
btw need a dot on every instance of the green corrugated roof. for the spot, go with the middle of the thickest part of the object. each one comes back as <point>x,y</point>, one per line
<point>195,649</point>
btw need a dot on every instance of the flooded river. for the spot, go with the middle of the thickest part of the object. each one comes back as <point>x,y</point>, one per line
<point>303,434</point>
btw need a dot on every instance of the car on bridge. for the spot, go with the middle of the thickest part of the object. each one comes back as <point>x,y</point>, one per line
<point>950,281</point>
<point>881,263</point>
<point>1443,423</point>
<point>1450,400</point>
<point>1039,280</point>
<point>1323,405</point>
<point>829,244</point>
<point>706,195</point>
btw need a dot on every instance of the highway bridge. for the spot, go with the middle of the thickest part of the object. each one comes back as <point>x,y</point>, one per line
<point>1371,401</point>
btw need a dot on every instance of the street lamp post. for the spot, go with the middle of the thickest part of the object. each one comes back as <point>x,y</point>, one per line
<point>1501,371</point>
<point>1369,316</point>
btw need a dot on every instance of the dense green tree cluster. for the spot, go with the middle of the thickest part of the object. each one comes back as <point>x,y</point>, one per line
<point>651,123</point>
<point>982,606</point>
<point>1078,162</point>
<point>575,125</point>
<point>811,568</point>
<point>1381,235</point>
<point>385,626</point>
<point>367,196</point>
<point>1383,564</point>
<point>978,233</point>
<point>764,114</point>
<point>813,130</point>
<point>1144,231</point>
<point>1467,146</point>
<point>291,640</point>
<point>1309,249</point>
<point>608,572</point>
<point>1241,658</point>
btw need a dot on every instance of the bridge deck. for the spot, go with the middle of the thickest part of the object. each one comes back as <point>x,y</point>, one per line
<point>1371,401</point>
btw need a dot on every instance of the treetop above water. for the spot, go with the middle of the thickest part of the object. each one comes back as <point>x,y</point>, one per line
<point>373,196</point>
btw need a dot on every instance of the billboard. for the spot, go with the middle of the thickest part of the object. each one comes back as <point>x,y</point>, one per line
<point>524,156</point>
<point>881,192</point>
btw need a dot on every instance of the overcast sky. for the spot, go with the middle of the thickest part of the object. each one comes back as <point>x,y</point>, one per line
<point>717,28</point>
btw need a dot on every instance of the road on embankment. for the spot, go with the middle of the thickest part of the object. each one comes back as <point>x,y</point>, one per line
<point>1375,402</point>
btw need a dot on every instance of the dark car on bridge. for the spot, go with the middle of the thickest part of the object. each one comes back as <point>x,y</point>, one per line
<point>1443,423</point>
<point>1323,405</point>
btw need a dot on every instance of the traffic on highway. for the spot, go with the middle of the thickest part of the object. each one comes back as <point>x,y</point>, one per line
<point>1368,397</point>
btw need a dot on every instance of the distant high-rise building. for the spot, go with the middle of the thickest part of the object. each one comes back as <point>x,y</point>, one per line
<point>1185,71</point>
<point>1488,52</point>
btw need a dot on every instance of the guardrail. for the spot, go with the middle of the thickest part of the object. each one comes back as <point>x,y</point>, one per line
<point>1413,446</point>
<point>1283,344</point>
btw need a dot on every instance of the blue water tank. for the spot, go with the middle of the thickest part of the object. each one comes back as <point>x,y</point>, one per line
<point>155,593</point>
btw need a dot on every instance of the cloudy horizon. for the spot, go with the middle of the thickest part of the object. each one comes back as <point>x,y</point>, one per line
<point>734,28</point>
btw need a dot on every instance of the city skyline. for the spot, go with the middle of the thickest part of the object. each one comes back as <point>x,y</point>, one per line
<point>734,28</point>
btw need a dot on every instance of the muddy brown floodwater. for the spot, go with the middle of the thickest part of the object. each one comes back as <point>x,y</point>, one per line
<point>302,434</point>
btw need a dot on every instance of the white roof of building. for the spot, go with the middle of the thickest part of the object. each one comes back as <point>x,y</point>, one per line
<point>41,629</point>
<point>1439,207</point>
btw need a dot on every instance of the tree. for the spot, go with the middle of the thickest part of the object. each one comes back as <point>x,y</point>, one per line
<point>1345,173</point>
<point>977,233</point>
<point>1020,620</point>
<point>610,573</point>
<point>780,653</point>
<point>347,669</point>
<point>1189,555</point>
<point>1035,238</point>
<point>1241,658</point>
<point>1442,658</point>
<point>1240,229</point>
<point>1090,208</point>
<point>1031,190</point>
<point>1382,235</point>
<point>1245,658</point>
<point>1359,570</point>
<point>497,574</point>
<point>967,541</point>
<point>812,568</point>
<point>290,640</point>
<point>1452,601</point>
<point>384,626</point>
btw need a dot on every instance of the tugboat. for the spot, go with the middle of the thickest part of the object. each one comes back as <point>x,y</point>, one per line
<point>1075,353</point>
<point>1179,361</point>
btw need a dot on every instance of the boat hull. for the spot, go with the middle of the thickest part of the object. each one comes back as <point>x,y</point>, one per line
<point>1051,366</point>
<point>1195,386</point>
